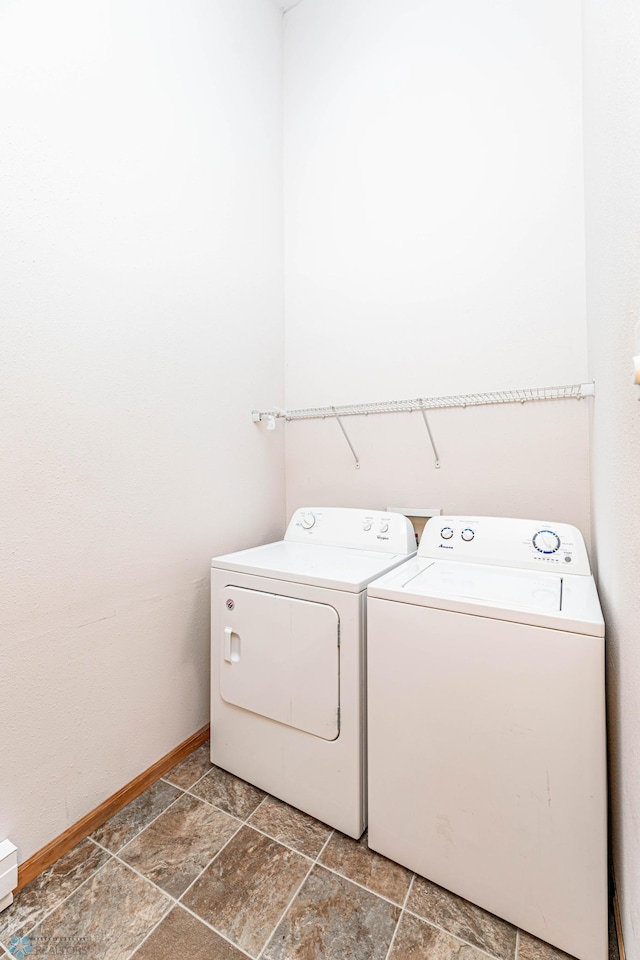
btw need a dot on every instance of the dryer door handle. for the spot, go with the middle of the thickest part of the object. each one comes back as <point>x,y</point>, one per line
<point>231,645</point>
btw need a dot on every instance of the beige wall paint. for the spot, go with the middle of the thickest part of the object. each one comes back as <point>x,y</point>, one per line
<point>612,168</point>
<point>434,244</point>
<point>140,320</point>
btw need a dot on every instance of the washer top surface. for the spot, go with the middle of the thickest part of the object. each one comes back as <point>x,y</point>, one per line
<point>499,576</point>
<point>499,586</point>
<point>342,549</point>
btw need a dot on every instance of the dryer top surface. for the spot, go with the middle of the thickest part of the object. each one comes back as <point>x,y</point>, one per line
<point>338,568</point>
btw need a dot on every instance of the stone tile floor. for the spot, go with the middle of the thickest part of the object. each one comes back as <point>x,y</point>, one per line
<point>206,867</point>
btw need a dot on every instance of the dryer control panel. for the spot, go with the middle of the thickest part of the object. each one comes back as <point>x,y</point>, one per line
<point>524,544</point>
<point>351,527</point>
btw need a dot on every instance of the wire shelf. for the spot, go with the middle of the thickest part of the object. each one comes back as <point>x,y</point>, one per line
<point>575,391</point>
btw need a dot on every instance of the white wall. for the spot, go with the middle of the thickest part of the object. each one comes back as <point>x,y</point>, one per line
<point>434,244</point>
<point>612,152</point>
<point>141,320</point>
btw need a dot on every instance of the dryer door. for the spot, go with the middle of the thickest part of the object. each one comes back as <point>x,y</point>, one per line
<point>280,659</point>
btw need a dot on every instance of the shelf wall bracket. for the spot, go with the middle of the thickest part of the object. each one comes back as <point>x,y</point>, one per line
<point>433,446</point>
<point>346,436</point>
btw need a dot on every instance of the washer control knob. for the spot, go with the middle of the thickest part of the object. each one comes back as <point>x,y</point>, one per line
<point>366,526</point>
<point>468,534</point>
<point>384,526</point>
<point>546,541</point>
<point>308,520</point>
<point>446,533</point>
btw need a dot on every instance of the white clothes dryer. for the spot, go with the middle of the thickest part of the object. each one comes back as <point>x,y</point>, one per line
<point>487,752</point>
<point>288,705</point>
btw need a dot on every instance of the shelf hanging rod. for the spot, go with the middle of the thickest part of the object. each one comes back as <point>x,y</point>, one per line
<point>575,391</point>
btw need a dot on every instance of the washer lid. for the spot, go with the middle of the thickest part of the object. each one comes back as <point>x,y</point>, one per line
<point>568,602</point>
<point>516,589</point>
<point>338,568</point>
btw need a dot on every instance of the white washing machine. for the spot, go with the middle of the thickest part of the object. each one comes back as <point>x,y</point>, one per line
<point>487,755</point>
<point>288,705</point>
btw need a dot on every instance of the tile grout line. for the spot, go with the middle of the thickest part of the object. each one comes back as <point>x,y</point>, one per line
<point>241,823</point>
<point>172,904</point>
<point>137,872</point>
<point>209,862</point>
<point>175,902</point>
<point>178,901</point>
<point>166,895</point>
<point>205,774</point>
<point>157,886</point>
<point>188,790</point>
<point>281,842</point>
<point>455,936</point>
<point>356,883</point>
<point>195,782</point>
<point>318,862</point>
<point>223,936</point>
<point>114,856</point>
<point>403,907</point>
<point>263,801</point>
<point>173,802</point>
<point>60,903</point>
<point>215,806</point>
<point>291,901</point>
<point>28,930</point>
<point>248,823</point>
<point>212,766</point>
<point>211,804</point>
<point>400,916</point>
<point>315,862</point>
<point>149,932</point>
<point>146,826</point>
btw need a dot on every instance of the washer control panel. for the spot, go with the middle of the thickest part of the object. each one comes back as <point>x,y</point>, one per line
<point>525,544</point>
<point>351,527</point>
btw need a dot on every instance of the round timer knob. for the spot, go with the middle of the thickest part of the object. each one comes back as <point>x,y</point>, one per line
<point>546,541</point>
<point>308,520</point>
<point>384,526</point>
<point>446,533</point>
<point>467,534</point>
